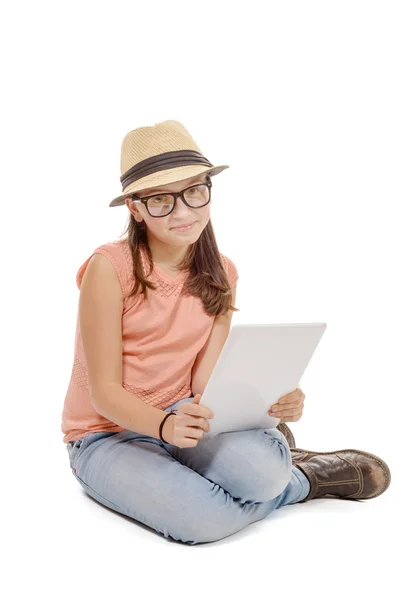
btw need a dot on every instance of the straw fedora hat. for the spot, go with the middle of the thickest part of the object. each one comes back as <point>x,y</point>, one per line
<point>160,154</point>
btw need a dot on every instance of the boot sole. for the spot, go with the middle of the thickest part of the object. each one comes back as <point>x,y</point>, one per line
<point>379,460</point>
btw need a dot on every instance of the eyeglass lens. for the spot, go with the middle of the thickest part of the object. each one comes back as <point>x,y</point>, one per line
<point>162,205</point>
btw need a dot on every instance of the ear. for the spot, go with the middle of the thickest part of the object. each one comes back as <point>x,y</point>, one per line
<point>133,209</point>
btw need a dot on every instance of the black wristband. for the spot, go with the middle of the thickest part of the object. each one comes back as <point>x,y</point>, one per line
<point>172,412</point>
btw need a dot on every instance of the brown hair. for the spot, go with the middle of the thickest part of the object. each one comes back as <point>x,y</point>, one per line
<point>207,277</point>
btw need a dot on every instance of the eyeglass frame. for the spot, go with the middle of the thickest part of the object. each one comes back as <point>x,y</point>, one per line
<point>175,195</point>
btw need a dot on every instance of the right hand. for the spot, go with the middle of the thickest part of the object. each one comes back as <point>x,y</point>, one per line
<point>188,425</point>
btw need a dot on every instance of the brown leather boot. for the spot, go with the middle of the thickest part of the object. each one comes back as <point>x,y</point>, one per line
<point>283,428</point>
<point>350,474</point>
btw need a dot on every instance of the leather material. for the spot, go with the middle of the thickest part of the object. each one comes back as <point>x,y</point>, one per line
<point>283,428</point>
<point>351,474</point>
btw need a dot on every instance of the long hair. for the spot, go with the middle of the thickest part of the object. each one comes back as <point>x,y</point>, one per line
<point>207,278</point>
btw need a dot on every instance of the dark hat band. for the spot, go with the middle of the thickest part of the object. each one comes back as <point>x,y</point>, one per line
<point>167,160</point>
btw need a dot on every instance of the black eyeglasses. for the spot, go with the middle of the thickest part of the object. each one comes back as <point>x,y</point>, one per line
<point>161,205</point>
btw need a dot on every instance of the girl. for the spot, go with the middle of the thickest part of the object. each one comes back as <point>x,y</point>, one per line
<point>155,310</point>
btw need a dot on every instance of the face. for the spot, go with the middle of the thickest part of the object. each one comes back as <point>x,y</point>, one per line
<point>161,228</point>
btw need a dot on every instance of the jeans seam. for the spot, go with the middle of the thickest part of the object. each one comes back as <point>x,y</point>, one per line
<point>95,492</point>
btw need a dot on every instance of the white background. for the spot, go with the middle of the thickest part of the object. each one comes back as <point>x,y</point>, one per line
<point>302,100</point>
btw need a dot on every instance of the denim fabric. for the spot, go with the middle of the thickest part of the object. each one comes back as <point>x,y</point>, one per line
<point>191,495</point>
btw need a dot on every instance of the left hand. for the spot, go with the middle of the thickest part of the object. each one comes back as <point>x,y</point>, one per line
<point>289,407</point>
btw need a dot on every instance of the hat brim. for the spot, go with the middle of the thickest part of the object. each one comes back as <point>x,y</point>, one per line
<point>164,177</point>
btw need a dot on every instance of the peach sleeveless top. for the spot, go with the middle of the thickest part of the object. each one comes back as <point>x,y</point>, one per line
<point>161,337</point>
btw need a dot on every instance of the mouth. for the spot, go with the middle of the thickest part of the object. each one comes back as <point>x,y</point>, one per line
<point>184,227</point>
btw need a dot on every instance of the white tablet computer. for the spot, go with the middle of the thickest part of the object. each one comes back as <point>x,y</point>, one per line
<point>258,364</point>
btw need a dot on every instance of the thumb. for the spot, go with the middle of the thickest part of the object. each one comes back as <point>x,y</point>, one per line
<point>196,399</point>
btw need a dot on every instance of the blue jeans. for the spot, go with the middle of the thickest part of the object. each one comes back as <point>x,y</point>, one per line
<point>191,495</point>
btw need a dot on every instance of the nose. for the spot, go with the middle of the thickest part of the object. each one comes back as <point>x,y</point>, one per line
<point>181,208</point>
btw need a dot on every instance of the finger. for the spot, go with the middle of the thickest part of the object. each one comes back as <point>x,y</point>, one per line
<point>188,443</point>
<point>192,432</point>
<point>196,410</point>
<point>290,399</point>
<point>287,405</point>
<point>291,418</point>
<point>294,398</point>
<point>289,410</point>
<point>287,413</point>
<point>197,422</point>
<point>297,393</point>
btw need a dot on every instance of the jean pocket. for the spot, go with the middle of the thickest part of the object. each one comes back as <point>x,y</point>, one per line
<point>76,447</point>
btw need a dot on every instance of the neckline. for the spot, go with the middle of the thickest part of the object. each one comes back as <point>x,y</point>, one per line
<point>161,274</point>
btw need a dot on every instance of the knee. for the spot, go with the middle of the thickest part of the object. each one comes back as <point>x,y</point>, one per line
<point>265,485</point>
<point>268,478</point>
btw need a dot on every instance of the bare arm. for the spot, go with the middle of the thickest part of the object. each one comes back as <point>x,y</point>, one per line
<point>100,316</point>
<point>208,355</point>
<point>128,411</point>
